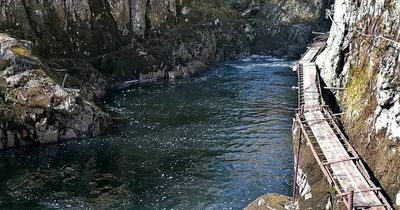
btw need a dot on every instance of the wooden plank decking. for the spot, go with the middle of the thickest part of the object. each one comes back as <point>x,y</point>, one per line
<point>338,160</point>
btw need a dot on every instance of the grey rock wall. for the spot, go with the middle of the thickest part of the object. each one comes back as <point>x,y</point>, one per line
<point>151,32</point>
<point>358,41</point>
<point>363,56</point>
<point>86,27</point>
<point>282,27</point>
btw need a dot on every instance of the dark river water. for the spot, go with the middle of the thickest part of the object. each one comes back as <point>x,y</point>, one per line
<point>217,141</point>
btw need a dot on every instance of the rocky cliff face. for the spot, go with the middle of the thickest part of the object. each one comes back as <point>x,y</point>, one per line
<point>282,27</point>
<point>363,55</point>
<point>68,28</point>
<point>138,38</point>
<point>181,41</point>
<point>95,27</point>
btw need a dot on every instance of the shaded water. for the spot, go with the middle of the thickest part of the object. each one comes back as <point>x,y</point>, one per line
<point>217,141</point>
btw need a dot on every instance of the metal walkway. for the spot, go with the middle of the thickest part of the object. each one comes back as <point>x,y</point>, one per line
<point>338,160</point>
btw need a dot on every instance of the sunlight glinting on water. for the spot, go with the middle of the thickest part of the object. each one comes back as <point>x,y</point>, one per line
<point>217,141</point>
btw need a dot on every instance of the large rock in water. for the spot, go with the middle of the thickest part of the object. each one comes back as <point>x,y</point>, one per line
<point>33,107</point>
<point>272,201</point>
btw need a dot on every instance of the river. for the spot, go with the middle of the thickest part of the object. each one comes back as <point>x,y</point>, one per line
<point>216,141</point>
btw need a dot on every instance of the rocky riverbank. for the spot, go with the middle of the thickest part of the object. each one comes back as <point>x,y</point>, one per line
<point>101,44</point>
<point>34,108</point>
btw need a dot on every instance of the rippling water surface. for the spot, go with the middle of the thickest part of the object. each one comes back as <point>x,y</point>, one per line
<point>217,141</point>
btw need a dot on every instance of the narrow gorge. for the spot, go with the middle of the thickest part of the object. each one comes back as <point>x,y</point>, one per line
<point>187,104</point>
<point>107,44</point>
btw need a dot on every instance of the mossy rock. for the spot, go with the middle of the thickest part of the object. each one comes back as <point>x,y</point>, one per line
<point>3,85</point>
<point>4,64</point>
<point>7,116</point>
<point>21,51</point>
<point>357,91</point>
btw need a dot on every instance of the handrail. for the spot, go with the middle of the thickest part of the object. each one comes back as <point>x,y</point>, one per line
<point>304,125</point>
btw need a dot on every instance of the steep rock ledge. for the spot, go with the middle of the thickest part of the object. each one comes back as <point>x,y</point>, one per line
<point>34,109</point>
<point>363,55</point>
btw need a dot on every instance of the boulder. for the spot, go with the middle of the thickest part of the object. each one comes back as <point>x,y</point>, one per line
<point>35,108</point>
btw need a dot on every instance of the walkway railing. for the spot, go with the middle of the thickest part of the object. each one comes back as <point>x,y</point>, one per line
<point>338,160</point>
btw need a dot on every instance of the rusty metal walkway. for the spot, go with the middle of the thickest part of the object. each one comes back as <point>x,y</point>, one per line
<point>338,160</point>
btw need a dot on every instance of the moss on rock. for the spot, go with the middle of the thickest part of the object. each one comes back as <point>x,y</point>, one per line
<point>20,51</point>
<point>4,64</point>
<point>357,92</point>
